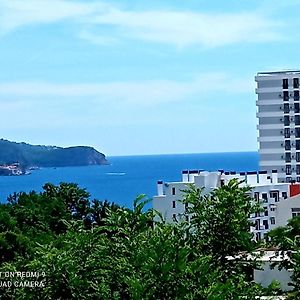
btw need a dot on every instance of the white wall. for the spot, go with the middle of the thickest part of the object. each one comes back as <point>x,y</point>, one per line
<point>284,210</point>
<point>267,275</point>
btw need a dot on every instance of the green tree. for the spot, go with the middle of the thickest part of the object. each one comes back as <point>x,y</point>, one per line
<point>220,224</point>
<point>102,251</point>
<point>286,240</point>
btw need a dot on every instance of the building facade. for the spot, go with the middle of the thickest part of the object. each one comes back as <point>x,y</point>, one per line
<point>280,201</point>
<point>279,123</point>
<point>277,185</point>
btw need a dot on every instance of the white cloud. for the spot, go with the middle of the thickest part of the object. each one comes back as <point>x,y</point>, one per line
<point>129,93</point>
<point>98,39</point>
<point>179,28</point>
<point>188,28</point>
<point>17,13</point>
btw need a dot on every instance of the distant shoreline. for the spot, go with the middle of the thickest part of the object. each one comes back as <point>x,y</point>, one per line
<point>14,169</point>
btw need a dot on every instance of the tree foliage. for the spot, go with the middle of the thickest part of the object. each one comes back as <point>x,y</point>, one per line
<point>287,242</point>
<point>97,250</point>
<point>220,220</point>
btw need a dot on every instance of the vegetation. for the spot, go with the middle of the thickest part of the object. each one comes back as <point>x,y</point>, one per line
<point>86,249</point>
<point>48,156</point>
<point>287,241</point>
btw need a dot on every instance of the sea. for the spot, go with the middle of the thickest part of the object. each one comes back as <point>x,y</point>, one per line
<point>126,177</point>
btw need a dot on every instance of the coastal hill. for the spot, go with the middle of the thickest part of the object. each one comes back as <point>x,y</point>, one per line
<point>27,155</point>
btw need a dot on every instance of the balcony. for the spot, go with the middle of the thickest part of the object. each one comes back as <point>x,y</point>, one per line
<point>262,228</point>
<point>272,205</point>
<point>269,114</point>
<point>271,201</point>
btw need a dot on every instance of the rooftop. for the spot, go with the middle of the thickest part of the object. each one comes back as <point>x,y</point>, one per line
<point>278,72</point>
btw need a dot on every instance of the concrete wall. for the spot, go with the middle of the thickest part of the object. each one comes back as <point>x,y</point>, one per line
<point>269,83</point>
<point>284,210</point>
<point>270,108</point>
<point>267,275</point>
<point>164,203</point>
<point>270,120</point>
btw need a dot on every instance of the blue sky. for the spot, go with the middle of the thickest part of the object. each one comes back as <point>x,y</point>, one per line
<point>140,77</point>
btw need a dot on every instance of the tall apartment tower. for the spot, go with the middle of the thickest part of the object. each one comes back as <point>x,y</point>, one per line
<point>279,123</point>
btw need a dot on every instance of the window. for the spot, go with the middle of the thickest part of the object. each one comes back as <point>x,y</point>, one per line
<point>272,207</point>
<point>288,179</point>
<point>298,179</point>
<point>298,169</point>
<point>287,145</point>
<point>275,195</point>
<point>173,191</point>
<point>272,220</point>
<point>297,120</point>
<point>296,108</point>
<point>266,211</point>
<point>297,144</point>
<point>287,133</point>
<point>297,156</point>
<point>174,204</point>
<point>288,170</point>
<point>264,197</point>
<point>285,83</point>
<point>265,223</point>
<point>286,108</point>
<point>186,206</point>
<point>174,217</point>
<point>284,195</point>
<point>288,157</point>
<point>296,95</point>
<point>256,196</point>
<point>286,120</point>
<point>258,236</point>
<point>295,212</point>
<point>297,132</point>
<point>257,224</point>
<point>296,83</point>
<point>285,96</point>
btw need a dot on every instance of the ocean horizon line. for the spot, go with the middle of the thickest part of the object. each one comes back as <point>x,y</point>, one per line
<point>181,154</point>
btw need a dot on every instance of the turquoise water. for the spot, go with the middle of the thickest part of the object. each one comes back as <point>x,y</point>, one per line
<point>128,176</point>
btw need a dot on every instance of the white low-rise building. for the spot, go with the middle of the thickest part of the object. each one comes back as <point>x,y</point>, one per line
<point>269,270</point>
<point>281,201</point>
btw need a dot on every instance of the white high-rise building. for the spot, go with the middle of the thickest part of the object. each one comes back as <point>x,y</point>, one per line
<point>275,185</point>
<point>279,123</point>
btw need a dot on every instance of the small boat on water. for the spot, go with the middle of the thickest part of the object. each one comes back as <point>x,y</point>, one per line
<point>115,174</point>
